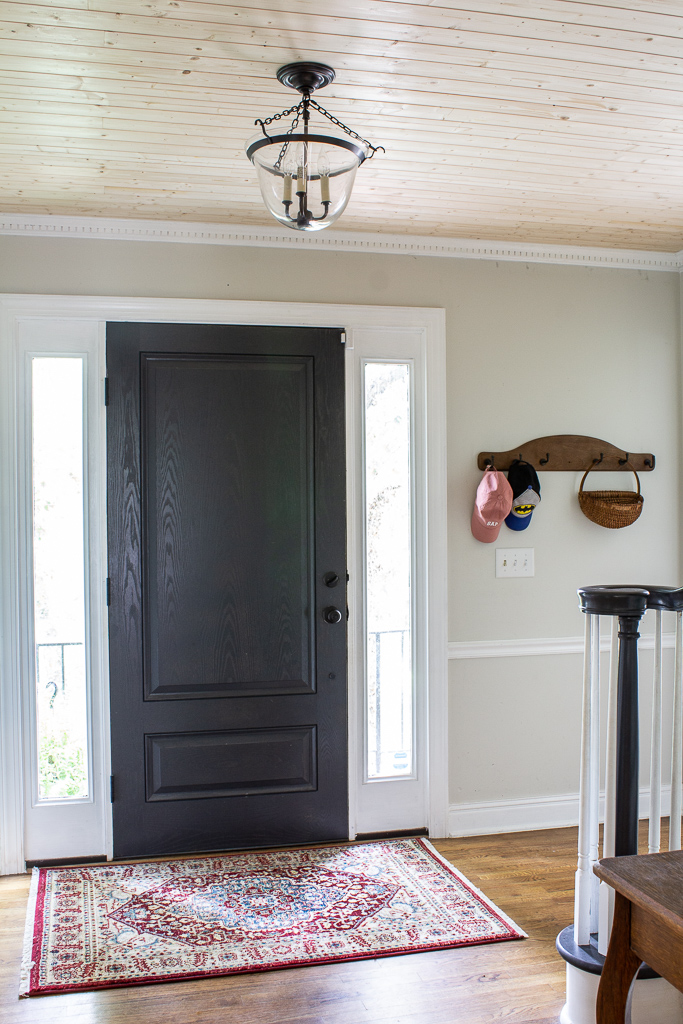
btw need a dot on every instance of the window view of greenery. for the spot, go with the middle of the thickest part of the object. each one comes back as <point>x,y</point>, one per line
<point>388,583</point>
<point>59,577</point>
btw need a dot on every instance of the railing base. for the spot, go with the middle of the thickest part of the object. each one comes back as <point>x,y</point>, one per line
<point>587,958</point>
<point>655,1001</point>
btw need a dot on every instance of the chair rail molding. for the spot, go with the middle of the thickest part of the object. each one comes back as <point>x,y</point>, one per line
<point>460,650</point>
<point>52,226</point>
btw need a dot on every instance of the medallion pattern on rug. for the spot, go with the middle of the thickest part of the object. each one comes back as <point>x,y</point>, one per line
<point>126,924</point>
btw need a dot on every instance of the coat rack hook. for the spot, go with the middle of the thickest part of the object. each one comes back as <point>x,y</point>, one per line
<point>567,453</point>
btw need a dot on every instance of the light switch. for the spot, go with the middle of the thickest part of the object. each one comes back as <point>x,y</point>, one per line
<point>514,562</point>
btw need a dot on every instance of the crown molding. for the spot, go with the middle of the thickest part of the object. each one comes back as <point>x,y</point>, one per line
<point>333,241</point>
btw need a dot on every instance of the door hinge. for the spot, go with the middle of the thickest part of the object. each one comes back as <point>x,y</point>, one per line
<point>108,591</point>
<point>111,788</point>
<point>106,390</point>
<point>342,337</point>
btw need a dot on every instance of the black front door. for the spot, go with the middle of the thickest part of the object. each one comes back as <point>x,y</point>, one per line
<point>227,618</point>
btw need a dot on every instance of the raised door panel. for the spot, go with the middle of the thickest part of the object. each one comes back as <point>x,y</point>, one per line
<point>227,477</point>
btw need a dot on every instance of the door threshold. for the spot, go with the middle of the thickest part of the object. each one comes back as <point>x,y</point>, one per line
<point>405,833</point>
<point>360,837</point>
<point>64,862</point>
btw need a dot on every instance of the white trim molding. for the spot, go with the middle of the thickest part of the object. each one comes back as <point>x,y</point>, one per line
<point>17,310</point>
<point>48,226</point>
<point>72,827</point>
<point>397,804</point>
<point>492,817</point>
<point>11,705</point>
<point>466,649</point>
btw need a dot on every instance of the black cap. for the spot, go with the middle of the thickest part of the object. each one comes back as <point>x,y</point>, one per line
<point>522,475</point>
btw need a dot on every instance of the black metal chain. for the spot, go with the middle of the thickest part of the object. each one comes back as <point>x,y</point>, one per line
<point>321,110</point>
<point>292,128</point>
<point>277,117</point>
<point>340,124</point>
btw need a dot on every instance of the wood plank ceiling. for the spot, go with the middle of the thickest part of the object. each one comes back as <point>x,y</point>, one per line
<point>552,121</point>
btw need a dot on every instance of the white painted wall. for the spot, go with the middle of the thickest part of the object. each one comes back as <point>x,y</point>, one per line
<point>533,349</point>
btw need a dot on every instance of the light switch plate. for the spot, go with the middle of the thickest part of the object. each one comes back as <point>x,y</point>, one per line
<point>514,562</point>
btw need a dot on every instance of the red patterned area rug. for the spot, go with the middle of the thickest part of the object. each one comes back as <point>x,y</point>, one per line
<point>132,924</point>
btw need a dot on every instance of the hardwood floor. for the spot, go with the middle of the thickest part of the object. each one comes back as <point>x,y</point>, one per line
<point>529,875</point>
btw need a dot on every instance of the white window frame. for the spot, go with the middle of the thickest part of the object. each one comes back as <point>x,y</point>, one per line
<point>86,317</point>
<point>74,827</point>
<point>401,804</point>
<point>416,576</point>
<point>27,575</point>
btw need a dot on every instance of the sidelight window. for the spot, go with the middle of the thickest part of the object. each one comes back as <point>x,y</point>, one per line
<point>388,514</point>
<point>58,549</point>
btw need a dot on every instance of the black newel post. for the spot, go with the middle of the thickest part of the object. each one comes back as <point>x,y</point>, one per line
<point>626,814</point>
<point>628,604</point>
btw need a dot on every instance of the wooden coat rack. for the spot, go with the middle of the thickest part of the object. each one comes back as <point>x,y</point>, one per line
<point>570,453</point>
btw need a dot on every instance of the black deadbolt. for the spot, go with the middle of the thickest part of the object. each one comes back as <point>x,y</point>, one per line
<point>332,615</point>
<point>330,579</point>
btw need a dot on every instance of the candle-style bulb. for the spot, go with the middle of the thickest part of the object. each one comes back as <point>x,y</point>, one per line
<point>324,172</point>
<point>287,188</point>
<point>289,172</point>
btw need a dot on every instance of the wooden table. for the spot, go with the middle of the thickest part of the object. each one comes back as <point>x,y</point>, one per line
<point>648,926</point>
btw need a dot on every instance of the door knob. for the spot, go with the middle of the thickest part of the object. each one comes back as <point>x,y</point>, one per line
<point>332,615</point>
<point>330,579</point>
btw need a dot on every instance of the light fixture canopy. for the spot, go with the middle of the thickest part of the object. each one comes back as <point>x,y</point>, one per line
<point>306,176</point>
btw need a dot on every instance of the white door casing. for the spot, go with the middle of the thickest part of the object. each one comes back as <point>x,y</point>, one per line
<point>68,324</point>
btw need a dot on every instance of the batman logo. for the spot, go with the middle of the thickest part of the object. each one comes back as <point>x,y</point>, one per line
<point>524,510</point>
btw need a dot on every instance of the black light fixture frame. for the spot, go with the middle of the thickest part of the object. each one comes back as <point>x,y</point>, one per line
<point>306,77</point>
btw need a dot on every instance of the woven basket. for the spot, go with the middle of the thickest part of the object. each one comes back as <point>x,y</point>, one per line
<point>611,509</point>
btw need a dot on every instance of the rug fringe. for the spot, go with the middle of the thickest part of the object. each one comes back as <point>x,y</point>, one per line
<point>482,896</point>
<point>27,953</point>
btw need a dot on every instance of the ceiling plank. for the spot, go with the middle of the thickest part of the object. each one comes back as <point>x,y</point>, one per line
<point>534,120</point>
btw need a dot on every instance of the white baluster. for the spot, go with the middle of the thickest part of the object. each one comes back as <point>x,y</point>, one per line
<point>595,774</point>
<point>608,836</point>
<point>677,745</point>
<point>583,882</point>
<point>654,837</point>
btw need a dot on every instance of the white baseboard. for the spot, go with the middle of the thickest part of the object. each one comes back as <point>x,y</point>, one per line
<point>496,816</point>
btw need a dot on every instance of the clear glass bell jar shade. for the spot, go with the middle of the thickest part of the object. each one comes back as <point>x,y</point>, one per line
<point>305,185</point>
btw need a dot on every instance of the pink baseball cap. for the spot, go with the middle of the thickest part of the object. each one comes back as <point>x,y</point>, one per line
<point>491,505</point>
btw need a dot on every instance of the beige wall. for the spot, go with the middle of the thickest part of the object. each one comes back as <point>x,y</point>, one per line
<point>532,350</point>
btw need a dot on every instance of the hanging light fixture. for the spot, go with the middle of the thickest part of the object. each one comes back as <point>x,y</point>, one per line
<point>306,176</point>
